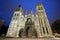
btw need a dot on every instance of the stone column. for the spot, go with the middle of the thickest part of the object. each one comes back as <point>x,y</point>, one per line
<point>37,27</point>
<point>44,26</point>
<point>41,27</point>
<point>48,27</point>
<point>47,24</point>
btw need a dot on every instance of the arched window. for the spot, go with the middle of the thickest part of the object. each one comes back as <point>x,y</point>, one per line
<point>43,30</point>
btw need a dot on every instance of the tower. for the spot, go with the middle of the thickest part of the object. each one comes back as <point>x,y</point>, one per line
<point>45,29</point>
<point>30,25</point>
<point>16,23</point>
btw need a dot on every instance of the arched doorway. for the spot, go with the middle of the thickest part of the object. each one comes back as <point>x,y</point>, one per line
<point>22,33</point>
<point>30,30</point>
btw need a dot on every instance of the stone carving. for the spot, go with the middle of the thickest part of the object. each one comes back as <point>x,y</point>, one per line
<point>29,30</point>
<point>29,25</point>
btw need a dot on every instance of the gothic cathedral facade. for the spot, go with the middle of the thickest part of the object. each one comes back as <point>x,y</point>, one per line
<point>29,25</point>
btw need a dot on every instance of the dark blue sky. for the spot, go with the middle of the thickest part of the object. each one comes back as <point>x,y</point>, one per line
<point>7,8</point>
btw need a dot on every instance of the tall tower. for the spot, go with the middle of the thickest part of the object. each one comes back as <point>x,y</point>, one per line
<point>45,29</point>
<point>16,23</point>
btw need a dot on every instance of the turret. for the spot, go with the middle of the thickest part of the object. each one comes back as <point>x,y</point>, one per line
<point>32,13</point>
<point>39,8</point>
<point>26,12</point>
<point>20,10</point>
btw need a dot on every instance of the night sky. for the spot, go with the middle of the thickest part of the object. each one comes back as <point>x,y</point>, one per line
<point>7,8</point>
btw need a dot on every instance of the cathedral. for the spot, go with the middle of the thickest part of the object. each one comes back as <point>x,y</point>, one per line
<point>28,25</point>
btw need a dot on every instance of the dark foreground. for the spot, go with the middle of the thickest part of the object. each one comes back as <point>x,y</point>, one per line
<point>5,38</point>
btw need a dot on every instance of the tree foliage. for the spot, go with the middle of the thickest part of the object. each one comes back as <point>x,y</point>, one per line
<point>56,26</point>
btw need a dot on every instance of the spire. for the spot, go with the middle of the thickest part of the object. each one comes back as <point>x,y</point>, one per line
<point>32,13</point>
<point>21,10</point>
<point>39,4</point>
<point>26,13</point>
<point>18,8</point>
<point>19,5</point>
<point>39,8</point>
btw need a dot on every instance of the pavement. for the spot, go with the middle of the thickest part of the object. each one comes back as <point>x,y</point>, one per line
<point>4,38</point>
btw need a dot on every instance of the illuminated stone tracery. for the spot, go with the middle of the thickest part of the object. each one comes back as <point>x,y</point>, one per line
<point>29,25</point>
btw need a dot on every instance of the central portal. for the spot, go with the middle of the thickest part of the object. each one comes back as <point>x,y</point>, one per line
<point>29,29</point>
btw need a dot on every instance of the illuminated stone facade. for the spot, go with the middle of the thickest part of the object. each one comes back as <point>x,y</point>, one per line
<point>29,25</point>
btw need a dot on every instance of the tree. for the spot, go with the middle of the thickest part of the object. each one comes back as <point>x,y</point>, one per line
<point>56,26</point>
